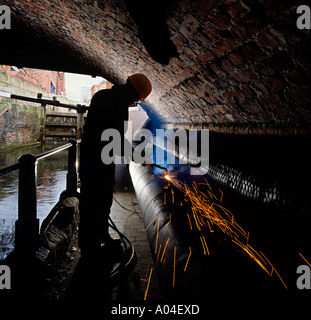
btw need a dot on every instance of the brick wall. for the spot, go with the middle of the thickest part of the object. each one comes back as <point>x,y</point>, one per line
<point>39,78</point>
<point>20,124</point>
<point>239,61</point>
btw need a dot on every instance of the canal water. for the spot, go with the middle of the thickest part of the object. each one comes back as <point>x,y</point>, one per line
<point>51,181</point>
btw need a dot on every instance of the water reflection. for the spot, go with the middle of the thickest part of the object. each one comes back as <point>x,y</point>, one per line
<point>51,181</point>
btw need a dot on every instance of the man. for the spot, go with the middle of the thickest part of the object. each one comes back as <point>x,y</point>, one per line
<point>108,109</point>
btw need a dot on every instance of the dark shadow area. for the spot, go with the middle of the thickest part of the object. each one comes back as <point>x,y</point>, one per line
<point>25,48</point>
<point>153,31</point>
<point>279,163</point>
<point>97,274</point>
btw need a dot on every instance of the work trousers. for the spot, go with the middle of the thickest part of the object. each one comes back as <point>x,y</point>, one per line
<point>96,196</point>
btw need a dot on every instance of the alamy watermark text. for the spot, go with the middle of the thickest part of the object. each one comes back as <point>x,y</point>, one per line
<point>5,277</point>
<point>192,147</point>
<point>5,17</point>
<point>304,20</point>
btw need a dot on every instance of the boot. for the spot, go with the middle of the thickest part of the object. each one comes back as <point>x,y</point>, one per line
<point>107,239</point>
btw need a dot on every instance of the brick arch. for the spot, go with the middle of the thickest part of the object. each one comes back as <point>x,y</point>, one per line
<point>229,63</point>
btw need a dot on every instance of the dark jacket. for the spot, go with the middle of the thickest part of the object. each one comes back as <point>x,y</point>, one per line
<point>108,109</point>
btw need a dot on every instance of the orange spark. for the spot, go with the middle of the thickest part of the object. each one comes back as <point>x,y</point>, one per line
<point>146,273</point>
<point>165,249</point>
<point>145,279</point>
<point>158,253</point>
<point>207,213</point>
<point>273,269</point>
<point>152,221</point>
<point>146,291</point>
<point>169,220</point>
<point>221,195</point>
<point>196,221</point>
<point>204,245</point>
<point>305,259</point>
<point>189,221</point>
<point>188,259</point>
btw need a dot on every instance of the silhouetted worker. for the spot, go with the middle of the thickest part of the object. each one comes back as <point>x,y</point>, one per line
<point>108,109</point>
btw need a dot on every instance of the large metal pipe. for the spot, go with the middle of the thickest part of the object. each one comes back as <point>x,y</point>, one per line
<point>223,272</point>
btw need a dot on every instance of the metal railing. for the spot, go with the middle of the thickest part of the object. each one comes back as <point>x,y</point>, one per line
<point>44,102</point>
<point>27,223</point>
<point>80,109</point>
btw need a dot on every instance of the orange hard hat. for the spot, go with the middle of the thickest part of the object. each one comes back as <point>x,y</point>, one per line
<point>141,84</point>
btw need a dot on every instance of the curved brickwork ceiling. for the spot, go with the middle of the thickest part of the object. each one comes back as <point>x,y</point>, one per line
<point>210,61</point>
